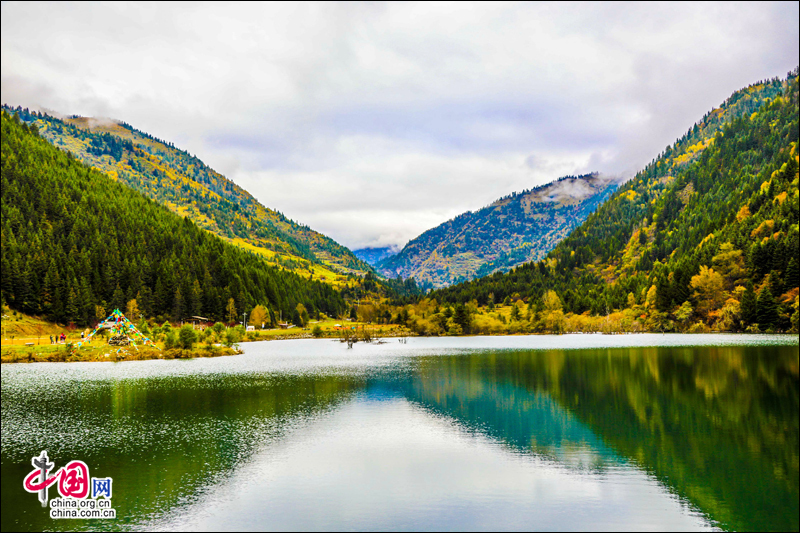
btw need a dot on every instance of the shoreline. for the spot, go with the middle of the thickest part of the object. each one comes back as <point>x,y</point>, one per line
<point>60,354</point>
<point>105,354</point>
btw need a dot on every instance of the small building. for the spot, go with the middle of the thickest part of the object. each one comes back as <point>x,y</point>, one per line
<point>201,322</point>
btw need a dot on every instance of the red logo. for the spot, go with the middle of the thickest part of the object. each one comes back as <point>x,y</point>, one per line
<point>73,479</point>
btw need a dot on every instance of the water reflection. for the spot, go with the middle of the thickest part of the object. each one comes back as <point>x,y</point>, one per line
<point>164,441</point>
<point>718,425</point>
<point>308,435</point>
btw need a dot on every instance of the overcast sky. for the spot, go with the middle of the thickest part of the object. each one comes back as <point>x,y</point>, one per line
<point>374,122</point>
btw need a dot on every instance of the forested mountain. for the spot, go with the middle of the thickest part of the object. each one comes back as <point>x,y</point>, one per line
<point>190,188</point>
<point>513,230</point>
<point>76,244</point>
<point>705,236</point>
<point>373,256</point>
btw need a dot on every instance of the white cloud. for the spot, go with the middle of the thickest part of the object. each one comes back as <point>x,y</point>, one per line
<point>369,121</point>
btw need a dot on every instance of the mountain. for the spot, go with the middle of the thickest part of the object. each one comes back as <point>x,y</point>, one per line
<point>77,244</point>
<point>372,256</point>
<point>513,230</point>
<point>188,187</point>
<point>706,236</point>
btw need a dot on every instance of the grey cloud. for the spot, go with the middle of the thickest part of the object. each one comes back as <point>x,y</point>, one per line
<point>417,111</point>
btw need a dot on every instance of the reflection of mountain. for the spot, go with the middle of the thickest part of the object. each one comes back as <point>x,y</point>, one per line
<point>523,419</point>
<point>720,429</point>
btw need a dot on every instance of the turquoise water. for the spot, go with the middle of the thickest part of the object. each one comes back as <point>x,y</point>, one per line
<point>665,432</point>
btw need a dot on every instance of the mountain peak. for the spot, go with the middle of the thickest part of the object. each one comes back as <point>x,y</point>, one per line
<point>514,229</point>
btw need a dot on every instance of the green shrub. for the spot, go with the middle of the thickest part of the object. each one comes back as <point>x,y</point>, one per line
<point>170,340</point>
<point>231,337</point>
<point>187,337</point>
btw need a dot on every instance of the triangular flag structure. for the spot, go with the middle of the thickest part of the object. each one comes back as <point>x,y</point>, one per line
<point>120,325</point>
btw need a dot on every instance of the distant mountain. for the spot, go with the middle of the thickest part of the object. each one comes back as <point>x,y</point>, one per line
<point>188,187</point>
<point>373,256</point>
<point>513,230</point>
<point>705,236</point>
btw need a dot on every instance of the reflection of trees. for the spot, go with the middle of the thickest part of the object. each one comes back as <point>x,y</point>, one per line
<point>162,440</point>
<point>718,425</point>
<point>525,419</point>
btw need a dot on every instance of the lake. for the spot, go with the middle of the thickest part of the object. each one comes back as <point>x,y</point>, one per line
<point>622,432</point>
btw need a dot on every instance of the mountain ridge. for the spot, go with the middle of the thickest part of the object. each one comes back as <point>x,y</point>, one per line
<point>706,235</point>
<point>76,244</point>
<point>189,187</point>
<point>516,228</point>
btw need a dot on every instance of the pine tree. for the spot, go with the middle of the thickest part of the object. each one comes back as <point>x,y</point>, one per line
<point>792,277</point>
<point>178,306</point>
<point>118,298</point>
<point>71,310</point>
<point>748,306</point>
<point>766,309</point>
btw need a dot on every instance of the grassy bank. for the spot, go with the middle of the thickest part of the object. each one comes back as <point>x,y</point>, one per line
<point>26,339</point>
<point>61,353</point>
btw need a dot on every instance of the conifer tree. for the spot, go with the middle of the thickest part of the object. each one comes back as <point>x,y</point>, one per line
<point>748,308</point>
<point>792,277</point>
<point>766,309</point>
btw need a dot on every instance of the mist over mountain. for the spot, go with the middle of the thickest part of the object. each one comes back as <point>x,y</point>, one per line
<point>373,256</point>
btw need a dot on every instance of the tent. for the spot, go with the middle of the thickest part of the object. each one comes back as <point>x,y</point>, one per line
<point>121,326</point>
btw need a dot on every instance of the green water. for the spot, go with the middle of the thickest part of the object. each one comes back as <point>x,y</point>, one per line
<point>666,432</point>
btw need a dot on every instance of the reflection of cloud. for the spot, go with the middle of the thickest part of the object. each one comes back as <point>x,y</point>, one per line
<point>524,93</point>
<point>384,464</point>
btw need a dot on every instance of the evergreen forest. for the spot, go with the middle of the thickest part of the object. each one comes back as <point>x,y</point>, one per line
<point>77,244</point>
<point>187,186</point>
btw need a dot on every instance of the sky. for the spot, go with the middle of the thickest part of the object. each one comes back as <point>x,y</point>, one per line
<point>373,122</point>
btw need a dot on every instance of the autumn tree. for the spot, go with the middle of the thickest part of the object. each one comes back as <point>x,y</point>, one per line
<point>132,310</point>
<point>730,264</point>
<point>230,310</point>
<point>553,314</point>
<point>684,313</point>
<point>709,290</point>
<point>300,315</point>
<point>100,313</point>
<point>258,316</point>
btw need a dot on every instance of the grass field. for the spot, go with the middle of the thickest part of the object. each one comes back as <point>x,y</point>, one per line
<point>99,351</point>
<point>27,339</point>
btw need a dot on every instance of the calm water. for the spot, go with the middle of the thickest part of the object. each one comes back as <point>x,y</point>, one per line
<point>666,432</point>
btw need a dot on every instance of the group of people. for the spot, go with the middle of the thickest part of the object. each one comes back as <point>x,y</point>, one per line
<point>58,339</point>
